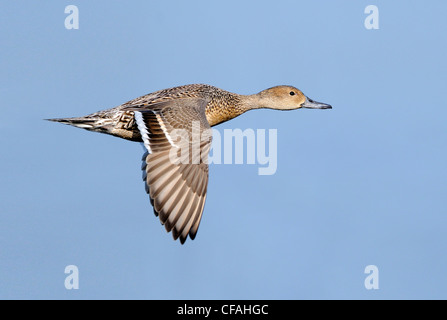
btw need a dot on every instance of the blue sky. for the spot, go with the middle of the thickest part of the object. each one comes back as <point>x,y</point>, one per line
<point>361,184</point>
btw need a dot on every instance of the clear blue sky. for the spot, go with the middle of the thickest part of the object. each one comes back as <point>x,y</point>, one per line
<point>361,184</point>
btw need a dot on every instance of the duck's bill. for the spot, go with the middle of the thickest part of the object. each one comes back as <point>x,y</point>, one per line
<point>310,104</point>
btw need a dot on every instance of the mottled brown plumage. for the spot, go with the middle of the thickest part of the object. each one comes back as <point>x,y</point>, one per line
<point>166,121</point>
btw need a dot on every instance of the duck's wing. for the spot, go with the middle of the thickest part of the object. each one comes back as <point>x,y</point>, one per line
<point>178,138</point>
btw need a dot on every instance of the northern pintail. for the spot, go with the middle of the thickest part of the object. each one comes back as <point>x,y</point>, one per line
<point>177,189</point>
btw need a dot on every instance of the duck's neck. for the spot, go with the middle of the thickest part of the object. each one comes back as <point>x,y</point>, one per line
<point>229,106</point>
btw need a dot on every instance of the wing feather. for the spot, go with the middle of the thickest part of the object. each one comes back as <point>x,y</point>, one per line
<point>177,189</point>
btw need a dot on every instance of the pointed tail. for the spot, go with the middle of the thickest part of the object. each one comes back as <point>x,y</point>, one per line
<point>82,122</point>
<point>112,121</point>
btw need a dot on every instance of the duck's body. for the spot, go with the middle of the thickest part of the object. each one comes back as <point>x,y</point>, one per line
<point>178,190</point>
<point>221,106</point>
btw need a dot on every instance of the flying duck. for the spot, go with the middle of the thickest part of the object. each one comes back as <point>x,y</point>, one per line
<point>177,182</point>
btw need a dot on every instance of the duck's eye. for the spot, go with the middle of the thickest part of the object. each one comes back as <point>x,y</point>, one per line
<point>292,93</point>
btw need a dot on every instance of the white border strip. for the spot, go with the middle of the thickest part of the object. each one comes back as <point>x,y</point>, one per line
<point>143,129</point>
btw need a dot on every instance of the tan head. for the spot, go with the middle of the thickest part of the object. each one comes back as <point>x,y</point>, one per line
<point>286,98</point>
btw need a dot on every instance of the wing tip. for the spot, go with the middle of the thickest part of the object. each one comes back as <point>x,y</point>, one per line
<point>192,234</point>
<point>182,240</point>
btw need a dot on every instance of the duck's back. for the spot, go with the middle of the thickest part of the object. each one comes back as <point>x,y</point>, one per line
<point>220,106</point>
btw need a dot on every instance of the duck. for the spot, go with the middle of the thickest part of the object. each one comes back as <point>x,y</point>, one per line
<point>177,181</point>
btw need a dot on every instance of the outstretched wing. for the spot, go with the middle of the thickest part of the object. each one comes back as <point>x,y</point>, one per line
<point>177,137</point>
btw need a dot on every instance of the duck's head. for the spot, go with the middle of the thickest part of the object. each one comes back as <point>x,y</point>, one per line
<point>287,98</point>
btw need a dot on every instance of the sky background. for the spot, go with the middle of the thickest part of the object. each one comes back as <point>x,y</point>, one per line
<point>361,184</point>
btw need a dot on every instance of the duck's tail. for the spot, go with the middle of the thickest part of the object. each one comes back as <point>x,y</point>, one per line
<point>97,124</point>
<point>81,122</point>
<point>116,123</point>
